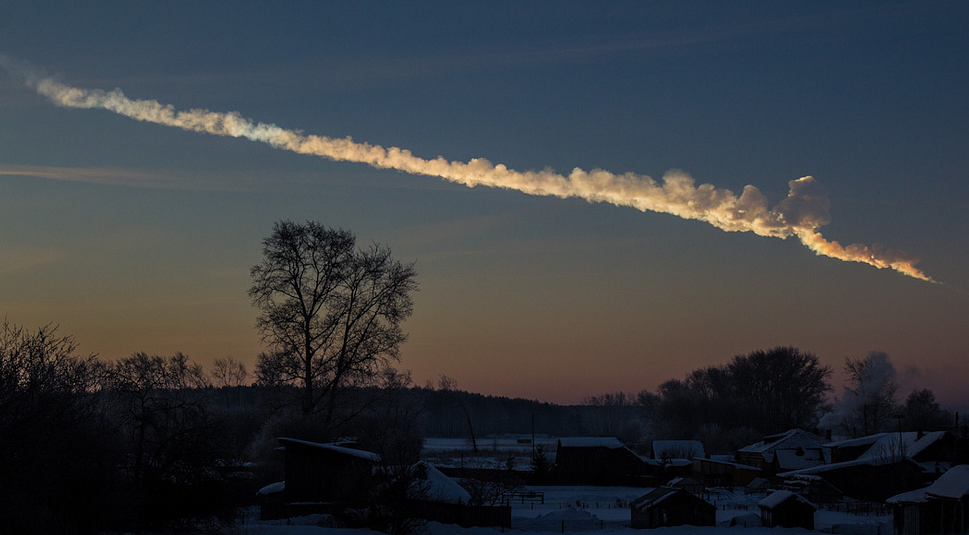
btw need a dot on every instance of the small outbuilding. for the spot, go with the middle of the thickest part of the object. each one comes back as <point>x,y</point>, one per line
<point>668,506</point>
<point>784,508</point>
<point>942,507</point>
<point>317,472</point>
<point>718,473</point>
<point>597,461</point>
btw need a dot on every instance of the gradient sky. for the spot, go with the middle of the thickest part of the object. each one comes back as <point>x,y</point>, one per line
<point>139,237</point>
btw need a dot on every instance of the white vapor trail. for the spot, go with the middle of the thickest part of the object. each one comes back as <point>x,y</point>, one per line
<point>800,214</point>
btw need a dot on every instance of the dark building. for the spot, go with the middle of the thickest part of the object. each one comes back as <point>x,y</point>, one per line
<point>667,506</point>
<point>940,508</point>
<point>878,466</point>
<point>783,508</point>
<point>326,472</point>
<point>597,461</point>
<point>789,444</point>
<point>716,473</point>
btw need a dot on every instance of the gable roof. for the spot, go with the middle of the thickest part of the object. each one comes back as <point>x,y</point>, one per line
<point>954,484</point>
<point>439,487</point>
<point>653,497</point>
<point>334,447</point>
<point>661,494</point>
<point>780,496</point>
<point>790,439</point>
<point>797,459</point>
<point>890,444</point>
<point>883,449</point>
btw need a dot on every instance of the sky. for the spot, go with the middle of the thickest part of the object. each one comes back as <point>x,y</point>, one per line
<point>540,277</point>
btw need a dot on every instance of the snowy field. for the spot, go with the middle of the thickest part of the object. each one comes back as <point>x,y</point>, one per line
<point>586,509</point>
<point>516,444</point>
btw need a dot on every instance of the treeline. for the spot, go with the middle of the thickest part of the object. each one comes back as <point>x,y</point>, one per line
<point>765,392</point>
<point>152,442</point>
<point>89,445</point>
<point>156,443</point>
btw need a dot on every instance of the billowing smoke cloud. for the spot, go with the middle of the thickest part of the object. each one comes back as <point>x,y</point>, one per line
<point>800,214</point>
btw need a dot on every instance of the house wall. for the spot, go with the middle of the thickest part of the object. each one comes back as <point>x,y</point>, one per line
<point>314,475</point>
<point>792,513</point>
<point>678,510</point>
<point>597,465</point>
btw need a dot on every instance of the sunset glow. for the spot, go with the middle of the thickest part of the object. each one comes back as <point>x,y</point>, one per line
<point>509,153</point>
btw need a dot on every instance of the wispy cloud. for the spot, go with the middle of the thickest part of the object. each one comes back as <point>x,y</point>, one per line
<point>22,258</point>
<point>799,215</point>
<point>102,175</point>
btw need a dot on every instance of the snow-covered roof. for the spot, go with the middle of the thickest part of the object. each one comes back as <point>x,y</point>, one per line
<point>730,463</point>
<point>780,496</point>
<point>591,442</point>
<point>821,468</point>
<point>912,496</point>
<point>884,448</point>
<point>272,488</point>
<point>954,484</point>
<point>677,449</point>
<point>790,439</point>
<point>439,487</point>
<point>370,456</point>
<point>653,497</point>
<point>798,459</point>
<point>890,444</point>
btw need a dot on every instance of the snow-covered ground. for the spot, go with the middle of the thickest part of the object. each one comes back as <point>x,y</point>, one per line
<point>601,510</point>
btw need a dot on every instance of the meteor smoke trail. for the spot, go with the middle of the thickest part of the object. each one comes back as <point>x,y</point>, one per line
<point>800,214</point>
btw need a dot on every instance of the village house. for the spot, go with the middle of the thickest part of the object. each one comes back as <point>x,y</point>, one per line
<point>317,476</point>
<point>334,477</point>
<point>667,506</point>
<point>783,508</point>
<point>794,447</point>
<point>940,508</point>
<point>717,473</point>
<point>879,466</point>
<point>597,461</point>
<point>316,472</point>
<point>432,495</point>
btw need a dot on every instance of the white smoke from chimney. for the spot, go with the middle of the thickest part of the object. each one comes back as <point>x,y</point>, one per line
<point>800,214</point>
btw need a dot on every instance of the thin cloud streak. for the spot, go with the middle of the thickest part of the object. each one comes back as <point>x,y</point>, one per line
<point>100,175</point>
<point>799,215</point>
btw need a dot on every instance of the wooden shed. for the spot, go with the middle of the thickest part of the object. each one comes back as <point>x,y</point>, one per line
<point>318,472</point>
<point>597,461</point>
<point>667,506</point>
<point>716,473</point>
<point>940,508</point>
<point>783,508</point>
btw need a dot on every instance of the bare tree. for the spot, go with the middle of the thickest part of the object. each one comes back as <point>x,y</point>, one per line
<point>56,451</point>
<point>871,396</point>
<point>158,400</point>
<point>228,374</point>
<point>330,313</point>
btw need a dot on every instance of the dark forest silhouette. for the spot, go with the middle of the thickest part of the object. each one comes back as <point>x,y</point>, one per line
<point>156,442</point>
